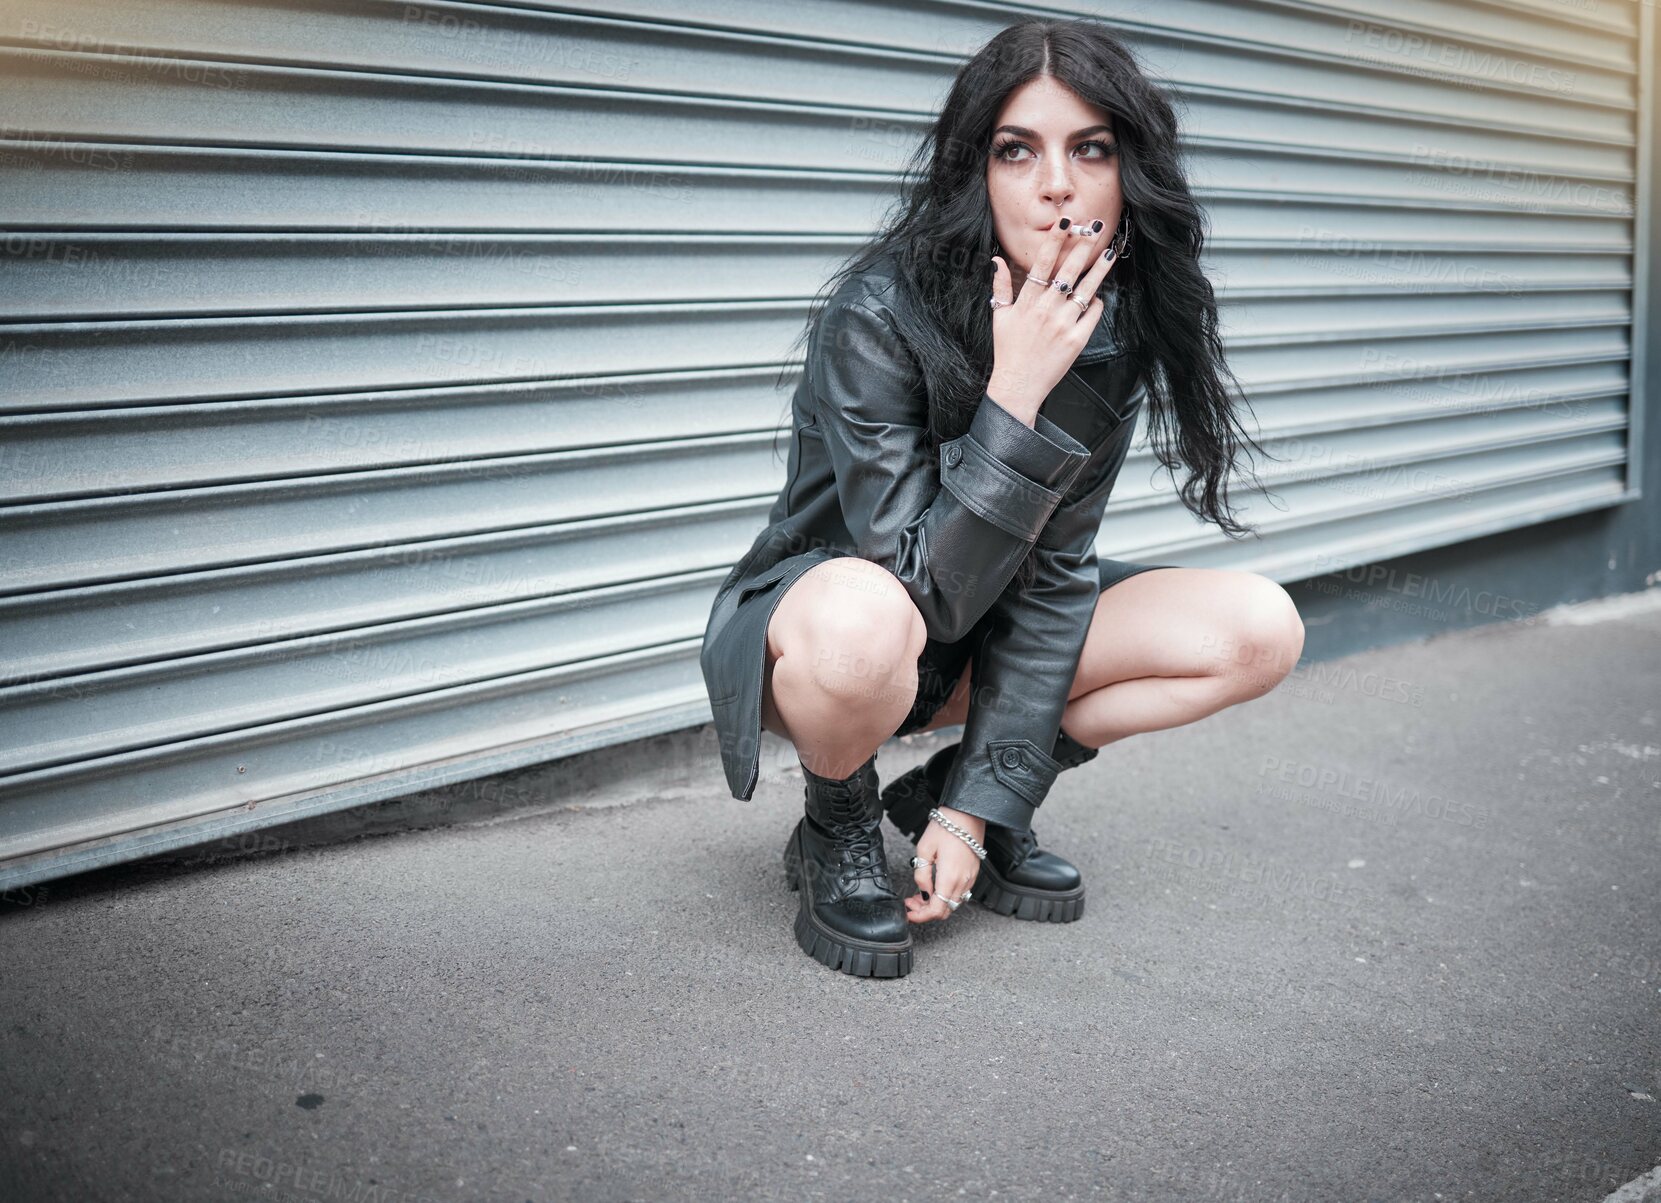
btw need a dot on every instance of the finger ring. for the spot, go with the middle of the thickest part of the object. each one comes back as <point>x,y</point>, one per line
<point>968,894</point>
<point>918,862</point>
<point>949,902</point>
<point>1083,305</point>
<point>1039,280</point>
<point>1061,286</point>
<point>997,304</point>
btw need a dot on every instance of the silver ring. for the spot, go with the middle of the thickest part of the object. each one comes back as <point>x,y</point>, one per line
<point>1083,305</point>
<point>1061,286</point>
<point>968,894</point>
<point>1039,280</point>
<point>918,862</point>
<point>949,902</point>
<point>997,304</point>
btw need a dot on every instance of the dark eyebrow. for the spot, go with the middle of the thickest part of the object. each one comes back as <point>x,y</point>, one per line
<point>1023,132</point>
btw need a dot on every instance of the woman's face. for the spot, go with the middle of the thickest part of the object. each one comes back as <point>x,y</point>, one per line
<point>1052,156</point>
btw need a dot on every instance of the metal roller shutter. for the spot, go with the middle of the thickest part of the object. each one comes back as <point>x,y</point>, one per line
<point>387,387</point>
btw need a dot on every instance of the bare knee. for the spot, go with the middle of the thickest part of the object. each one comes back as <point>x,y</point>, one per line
<point>1268,637</point>
<point>858,637</point>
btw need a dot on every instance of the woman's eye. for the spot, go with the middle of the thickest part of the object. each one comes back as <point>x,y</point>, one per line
<point>1108,150</point>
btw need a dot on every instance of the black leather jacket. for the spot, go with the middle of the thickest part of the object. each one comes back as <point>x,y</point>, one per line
<point>954,527</point>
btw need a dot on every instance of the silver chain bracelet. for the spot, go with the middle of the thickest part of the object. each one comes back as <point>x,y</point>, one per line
<point>934,813</point>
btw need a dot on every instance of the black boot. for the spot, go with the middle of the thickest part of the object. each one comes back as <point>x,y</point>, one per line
<point>1017,877</point>
<point>850,918</point>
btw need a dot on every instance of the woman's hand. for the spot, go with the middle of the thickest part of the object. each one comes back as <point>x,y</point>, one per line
<point>1038,335</point>
<point>954,871</point>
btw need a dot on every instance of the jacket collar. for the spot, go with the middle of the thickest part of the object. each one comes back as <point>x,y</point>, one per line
<point>1102,345</point>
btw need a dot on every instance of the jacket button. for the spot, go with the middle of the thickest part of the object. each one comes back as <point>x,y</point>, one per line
<point>1012,758</point>
<point>954,455</point>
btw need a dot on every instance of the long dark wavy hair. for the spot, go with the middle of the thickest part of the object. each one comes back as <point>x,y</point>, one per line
<point>941,237</point>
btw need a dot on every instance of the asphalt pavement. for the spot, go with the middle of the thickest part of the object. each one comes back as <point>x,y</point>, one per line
<point>1388,934</point>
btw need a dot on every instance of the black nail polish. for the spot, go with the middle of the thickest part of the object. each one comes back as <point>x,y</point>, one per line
<point>925,895</point>
<point>1096,226</point>
<point>1065,222</point>
<point>1108,255</point>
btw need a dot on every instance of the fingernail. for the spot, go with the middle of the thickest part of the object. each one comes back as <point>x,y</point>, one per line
<point>1108,254</point>
<point>1096,226</point>
<point>925,895</point>
<point>1065,222</point>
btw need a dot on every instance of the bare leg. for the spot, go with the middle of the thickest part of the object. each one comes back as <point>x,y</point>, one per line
<point>1172,645</point>
<point>842,648</point>
<point>1169,646</point>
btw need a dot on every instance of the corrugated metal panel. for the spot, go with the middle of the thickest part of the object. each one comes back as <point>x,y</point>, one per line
<point>346,454</point>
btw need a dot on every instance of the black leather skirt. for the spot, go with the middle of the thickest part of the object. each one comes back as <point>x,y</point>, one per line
<point>734,662</point>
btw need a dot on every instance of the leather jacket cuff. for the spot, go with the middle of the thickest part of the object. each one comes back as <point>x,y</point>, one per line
<point>1003,783</point>
<point>982,468</point>
<point>1042,452</point>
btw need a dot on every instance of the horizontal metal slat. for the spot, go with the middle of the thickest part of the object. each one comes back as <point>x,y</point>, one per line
<point>56,633</point>
<point>64,274</point>
<point>1289,318</point>
<point>57,367</point>
<point>439,36</point>
<point>103,97</point>
<point>1325,362</point>
<point>1494,87</point>
<point>1305,52</point>
<point>105,452</point>
<point>1429,437</point>
<point>1311,503</point>
<point>1370,538</point>
<point>73,719</point>
<point>60,183</point>
<point>1335,267</point>
<point>64,184</point>
<point>961,27</point>
<point>122,539</point>
<point>1430,176</point>
<point>85,365</point>
<point>91,542</point>
<point>1232,113</point>
<point>109,97</point>
<point>1564,30</point>
<point>253,767</point>
<point>1427,445</point>
<point>1401,396</point>
<point>1336,223</point>
<point>487,42</point>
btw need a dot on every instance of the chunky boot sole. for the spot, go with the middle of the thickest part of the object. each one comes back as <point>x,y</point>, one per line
<point>833,949</point>
<point>991,890</point>
<point>1046,906</point>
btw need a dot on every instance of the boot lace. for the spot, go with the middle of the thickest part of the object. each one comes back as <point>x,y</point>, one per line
<point>860,846</point>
